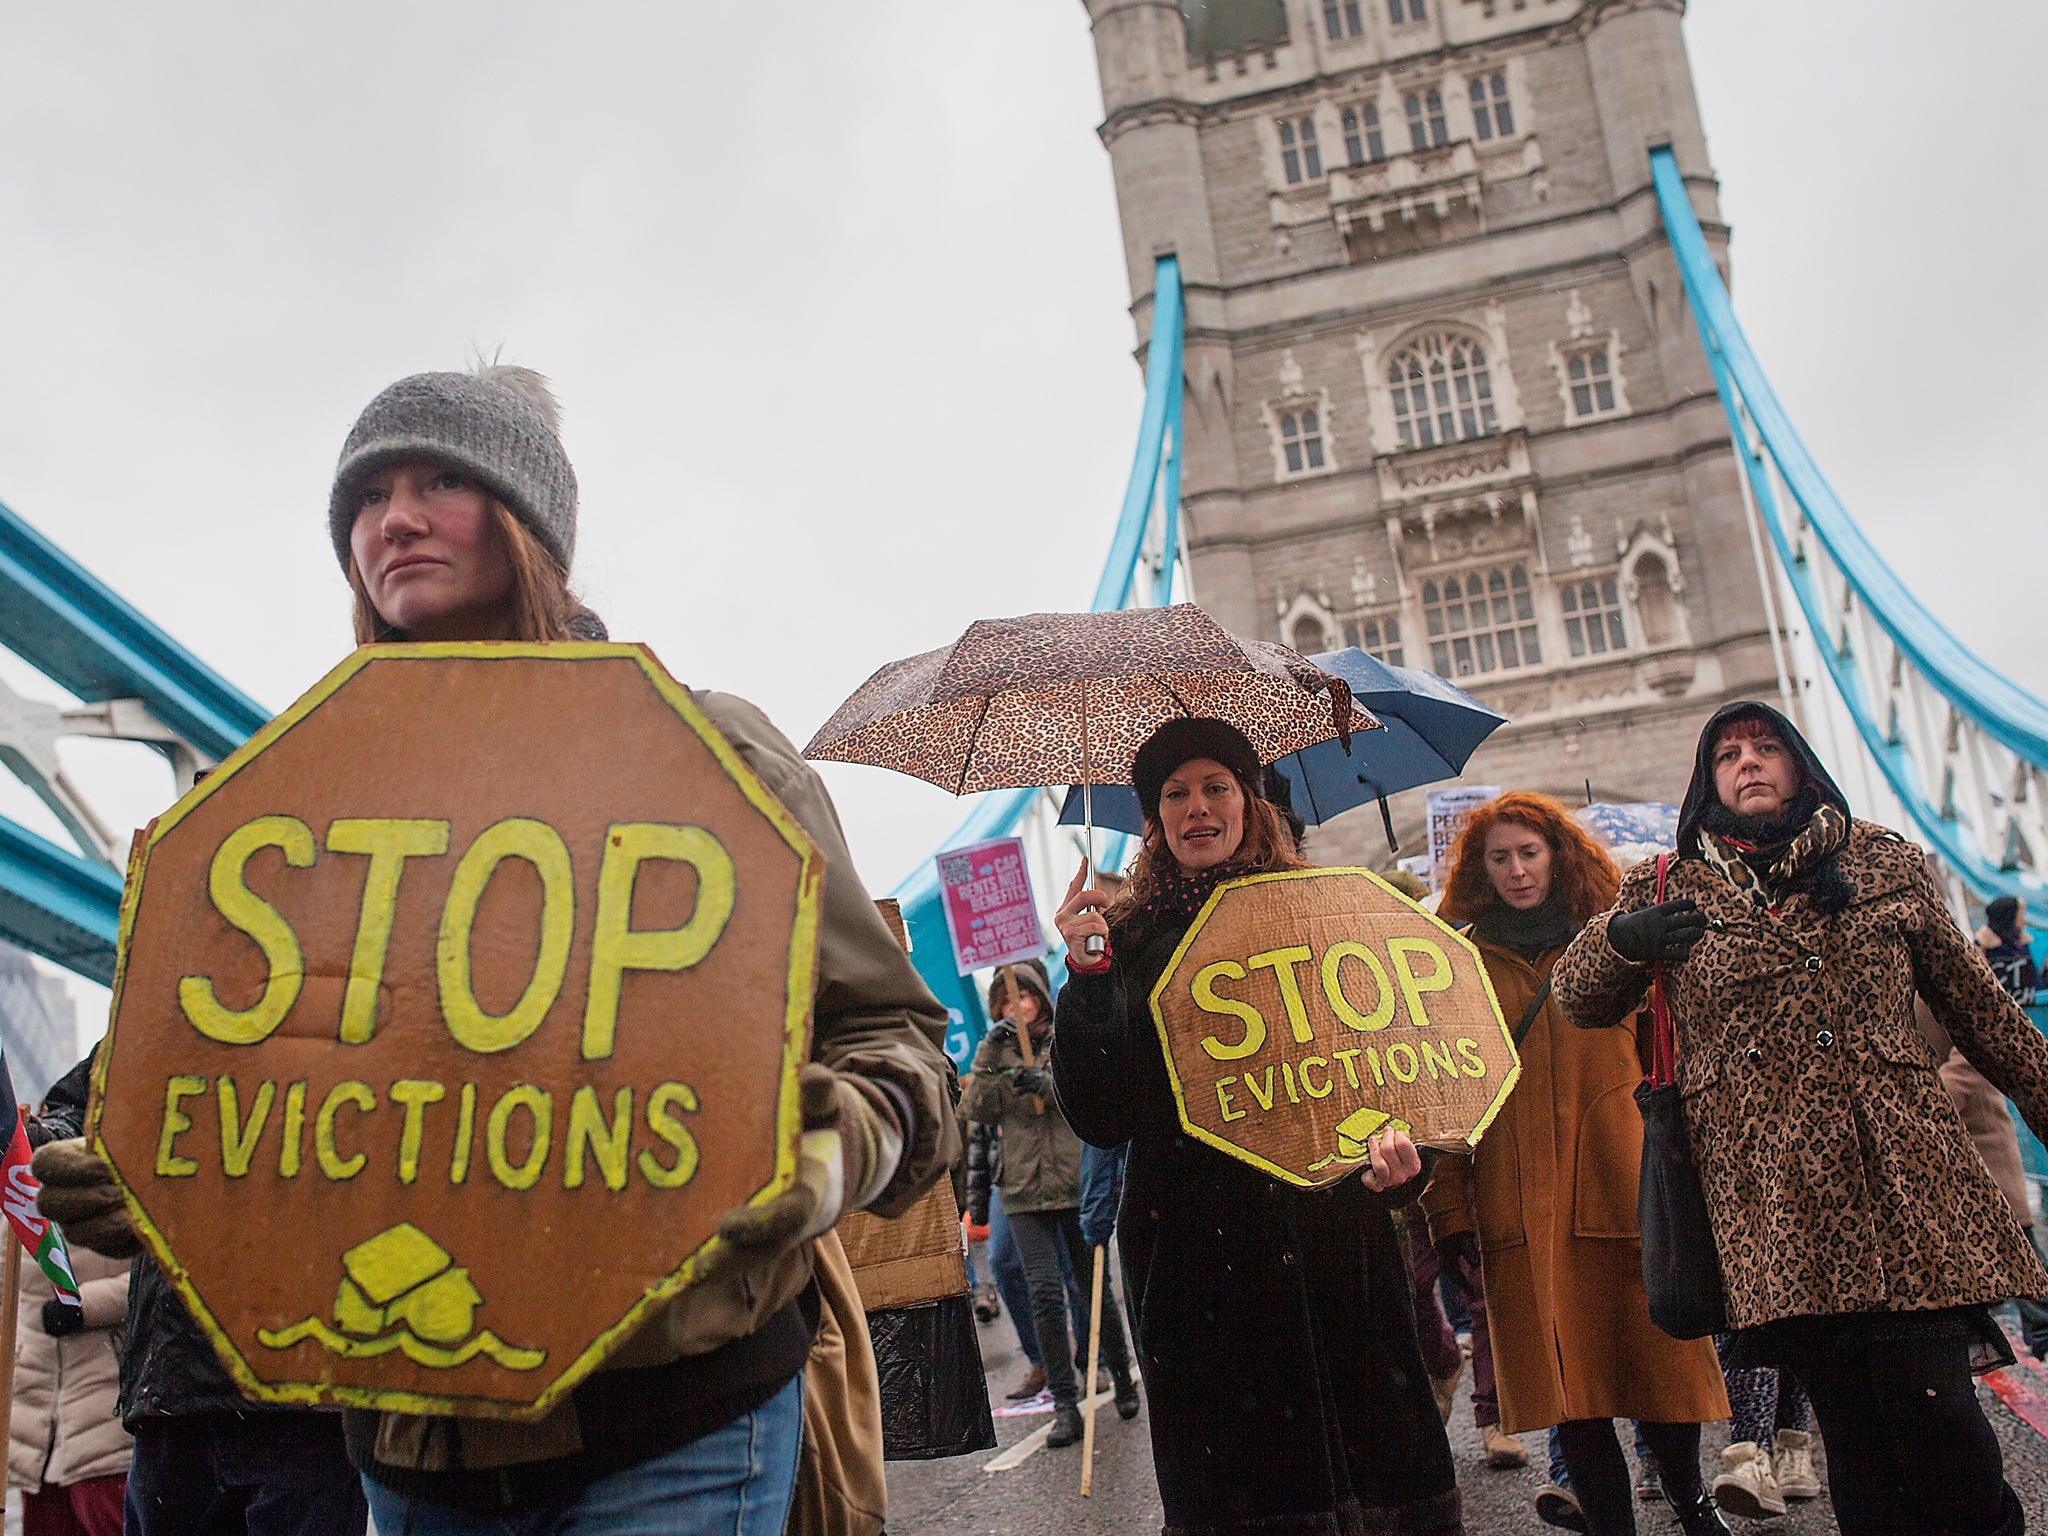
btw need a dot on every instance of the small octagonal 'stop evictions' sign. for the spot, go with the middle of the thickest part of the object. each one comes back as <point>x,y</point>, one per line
<point>1307,1011</point>
<point>453,1011</point>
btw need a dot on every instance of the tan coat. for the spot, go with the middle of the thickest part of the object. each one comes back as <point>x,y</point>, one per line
<point>1553,1183</point>
<point>1838,1176</point>
<point>840,1488</point>
<point>871,1015</point>
<point>64,1428</point>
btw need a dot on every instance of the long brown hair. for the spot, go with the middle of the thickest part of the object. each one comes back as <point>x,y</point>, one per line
<point>1582,872</point>
<point>542,604</point>
<point>1267,845</point>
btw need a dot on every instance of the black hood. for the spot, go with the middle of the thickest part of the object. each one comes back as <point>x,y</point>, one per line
<point>1699,794</point>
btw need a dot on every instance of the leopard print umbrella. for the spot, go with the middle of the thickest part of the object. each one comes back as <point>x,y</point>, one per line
<point>1063,698</point>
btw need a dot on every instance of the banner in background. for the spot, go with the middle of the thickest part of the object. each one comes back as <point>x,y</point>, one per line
<point>986,890</point>
<point>1447,811</point>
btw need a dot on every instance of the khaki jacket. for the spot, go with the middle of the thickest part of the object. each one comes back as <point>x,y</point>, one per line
<point>1552,1187</point>
<point>872,1015</point>
<point>1838,1175</point>
<point>1040,1163</point>
<point>64,1428</point>
<point>841,1489</point>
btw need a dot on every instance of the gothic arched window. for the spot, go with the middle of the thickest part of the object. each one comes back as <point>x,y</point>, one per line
<point>1362,141</point>
<point>1443,391</point>
<point>1298,151</point>
<point>1481,621</point>
<point>1491,113</point>
<point>1301,439</point>
<point>1426,124</point>
<point>1592,616</point>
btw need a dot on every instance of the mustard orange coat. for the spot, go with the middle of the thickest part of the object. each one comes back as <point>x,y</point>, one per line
<point>1553,1188</point>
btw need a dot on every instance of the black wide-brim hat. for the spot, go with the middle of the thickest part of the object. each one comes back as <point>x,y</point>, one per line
<point>1182,741</point>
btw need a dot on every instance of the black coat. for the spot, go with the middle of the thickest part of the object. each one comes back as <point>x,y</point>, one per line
<point>1275,1325</point>
<point>168,1367</point>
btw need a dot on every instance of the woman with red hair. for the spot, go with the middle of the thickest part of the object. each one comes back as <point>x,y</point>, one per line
<point>1547,1203</point>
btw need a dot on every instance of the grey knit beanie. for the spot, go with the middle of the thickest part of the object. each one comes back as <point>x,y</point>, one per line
<point>499,424</point>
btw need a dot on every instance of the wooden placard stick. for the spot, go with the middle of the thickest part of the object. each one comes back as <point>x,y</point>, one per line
<point>1023,1031</point>
<point>10,1308</point>
<point>1092,1397</point>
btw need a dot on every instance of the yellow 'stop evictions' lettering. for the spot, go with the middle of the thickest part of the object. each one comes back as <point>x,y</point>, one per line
<point>1439,979</point>
<point>1333,986</point>
<point>1206,997</point>
<point>262,922</point>
<point>617,947</point>
<point>516,837</point>
<point>389,844</point>
<point>1282,963</point>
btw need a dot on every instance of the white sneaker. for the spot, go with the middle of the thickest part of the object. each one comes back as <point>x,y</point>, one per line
<point>1792,1464</point>
<point>1749,1487</point>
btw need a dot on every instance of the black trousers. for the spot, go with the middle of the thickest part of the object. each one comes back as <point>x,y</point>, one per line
<point>1592,1454</point>
<point>2034,1314</point>
<point>244,1474</point>
<point>1909,1450</point>
<point>1039,1235</point>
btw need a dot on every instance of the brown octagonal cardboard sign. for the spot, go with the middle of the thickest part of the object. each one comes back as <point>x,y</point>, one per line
<point>1307,1011</point>
<point>452,1012</point>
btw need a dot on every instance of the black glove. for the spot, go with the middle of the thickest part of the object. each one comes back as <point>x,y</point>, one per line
<point>61,1318</point>
<point>1458,1253</point>
<point>1030,1079</point>
<point>1003,1032</point>
<point>1665,932</point>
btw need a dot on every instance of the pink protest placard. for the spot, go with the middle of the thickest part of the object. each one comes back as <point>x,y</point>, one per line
<point>989,910</point>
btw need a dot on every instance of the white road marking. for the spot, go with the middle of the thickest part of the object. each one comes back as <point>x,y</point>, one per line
<point>1034,1442</point>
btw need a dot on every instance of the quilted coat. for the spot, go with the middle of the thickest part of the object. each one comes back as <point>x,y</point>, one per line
<point>64,1429</point>
<point>1838,1175</point>
<point>1553,1185</point>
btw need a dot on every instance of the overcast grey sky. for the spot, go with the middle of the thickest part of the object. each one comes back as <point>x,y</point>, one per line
<point>833,297</point>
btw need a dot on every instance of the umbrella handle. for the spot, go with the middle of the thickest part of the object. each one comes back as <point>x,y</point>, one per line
<point>1094,945</point>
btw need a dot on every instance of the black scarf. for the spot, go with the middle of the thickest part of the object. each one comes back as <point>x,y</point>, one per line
<point>1772,858</point>
<point>1798,858</point>
<point>1173,906</point>
<point>1531,932</point>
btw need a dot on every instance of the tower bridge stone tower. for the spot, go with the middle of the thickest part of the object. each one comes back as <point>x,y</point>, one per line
<point>1444,397</point>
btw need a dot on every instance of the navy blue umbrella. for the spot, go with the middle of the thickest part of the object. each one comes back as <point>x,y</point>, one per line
<point>1432,729</point>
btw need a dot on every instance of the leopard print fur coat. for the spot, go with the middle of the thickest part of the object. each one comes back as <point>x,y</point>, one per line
<point>1838,1175</point>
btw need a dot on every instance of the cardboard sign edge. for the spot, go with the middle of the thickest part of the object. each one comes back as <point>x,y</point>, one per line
<point>1267,877</point>
<point>802,980</point>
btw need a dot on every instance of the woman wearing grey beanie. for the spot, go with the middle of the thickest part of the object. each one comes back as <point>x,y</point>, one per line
<point>453,514</point>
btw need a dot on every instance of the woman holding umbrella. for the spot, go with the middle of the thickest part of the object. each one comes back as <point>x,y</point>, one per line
<point>1861,1241</point>
<point>1288,1393</point>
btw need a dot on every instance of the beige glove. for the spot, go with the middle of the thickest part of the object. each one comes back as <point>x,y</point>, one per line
<point>80,1195</point>
<point>849,1153</point>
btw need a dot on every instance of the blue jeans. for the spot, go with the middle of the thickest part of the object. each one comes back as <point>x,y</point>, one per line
<point>735,1481</point>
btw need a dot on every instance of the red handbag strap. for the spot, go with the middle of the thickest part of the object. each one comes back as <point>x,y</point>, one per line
<point>1663,1038</point>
